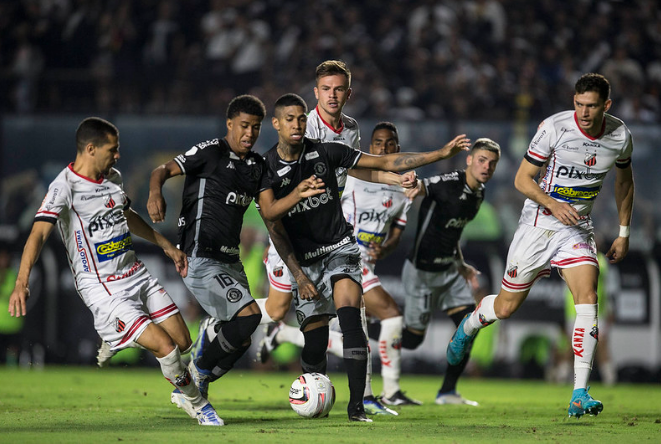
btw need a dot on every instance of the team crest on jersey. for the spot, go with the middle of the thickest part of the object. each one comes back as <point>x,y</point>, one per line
<point>590,159</point>
<point>320,169</point>
<point>278,272</point>
<point>233,295</point>
<point>387,201</point>
<point>512,271</point>
<point>119,325</point>
<point>110,202</point>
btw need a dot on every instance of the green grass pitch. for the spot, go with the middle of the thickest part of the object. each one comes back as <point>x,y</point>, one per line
<point>132,405</point>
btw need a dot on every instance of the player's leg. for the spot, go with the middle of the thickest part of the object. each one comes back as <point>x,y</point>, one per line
<point>176,328</point>
<point>276,306</point>
<point>347,295</point>
<point>582,282</point>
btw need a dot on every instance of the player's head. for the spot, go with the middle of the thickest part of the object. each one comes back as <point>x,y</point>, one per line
<point>99,140</point>
<point>244,123</point>
<point>385,139</point>
<point>333,86</point>
<point>481,161</point>
<point>290,118</point>
<point>591,101</point>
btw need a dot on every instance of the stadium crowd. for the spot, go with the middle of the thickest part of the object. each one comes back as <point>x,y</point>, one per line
<point>477,59</point>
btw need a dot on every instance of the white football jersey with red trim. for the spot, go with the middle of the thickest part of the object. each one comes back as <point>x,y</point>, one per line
<point>372,208</point>
<point>576,164</point>
<point>90,217</point>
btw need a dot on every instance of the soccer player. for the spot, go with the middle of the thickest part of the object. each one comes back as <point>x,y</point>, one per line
<point>578,147</point>
<point>378,215</point>
<point>435,274</point>
<point>93,215</point>
<point>322,241</point>
<point>222,178</point>
<point>327,123</point>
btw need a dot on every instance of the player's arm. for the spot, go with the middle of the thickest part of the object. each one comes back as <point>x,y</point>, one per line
<point>526,184</point>
<point>406,180</point>
<point>273,209</point>
<point>624,192</point>
<point>419,189</point>
<point>139,227</point>
<point>409,161</point>
<point>377,252</point>
<point>156,205</point>
<point>467,271</point>
<point>280,239</point>
<point>34,244</point>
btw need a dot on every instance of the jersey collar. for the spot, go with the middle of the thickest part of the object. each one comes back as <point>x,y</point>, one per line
<point>601,133</point>
<point>85,177</point>
<point>336,131</point>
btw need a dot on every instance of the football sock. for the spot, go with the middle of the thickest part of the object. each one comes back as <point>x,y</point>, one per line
<point>483,316</point>
<point>335,343</point>
<point>266,318</point>
<point>290,334</point>
<point>231,336</point>
<point>355,352</point>
<point>410,340</point>
<point>313,356</point>
<point>453,372</point>
<point>390,353</point>
<point>584,342</point>
<point>176,372</point>
<point>368,373</point>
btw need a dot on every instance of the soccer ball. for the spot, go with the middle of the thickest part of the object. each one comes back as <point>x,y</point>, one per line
<point>312,395</point>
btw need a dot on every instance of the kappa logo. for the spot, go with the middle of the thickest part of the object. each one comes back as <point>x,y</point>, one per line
<point>590,159</point>
<point>119,325</point>
<point>286,181</point>
<point>512,271</point>
<point>230,166</point>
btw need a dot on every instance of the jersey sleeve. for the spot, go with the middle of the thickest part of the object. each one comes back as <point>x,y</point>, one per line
<point>540,147</point>
<point>624,160</point>
<point>56,202</point>
<point>343,155</point>
<point>435,188</point>
<point>194,160</point>
<point>401,218</point>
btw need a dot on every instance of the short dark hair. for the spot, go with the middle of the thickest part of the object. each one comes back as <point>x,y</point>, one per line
<point>289,99</point>
<point>484,143</point>
<point>331,68</point>
<point>594,82</point>
<point>94,130</point>
<point>248,104</point>
<point>387,126</point>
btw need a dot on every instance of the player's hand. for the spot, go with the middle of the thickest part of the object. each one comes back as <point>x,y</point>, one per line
<point>375,252</point>
<point>310,187</point>
<point>306,289</point>
<point>618,250</point>
<point>565,213</point>
<point>18,301</point>
<point>156,207</point>
<point>412,193</point>
<point>455,146</point>
<point>469,273</point>
<point>179,258</point>
<point>408,180</point>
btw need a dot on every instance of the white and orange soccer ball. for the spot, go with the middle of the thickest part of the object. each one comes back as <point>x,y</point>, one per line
<point>312,395</point>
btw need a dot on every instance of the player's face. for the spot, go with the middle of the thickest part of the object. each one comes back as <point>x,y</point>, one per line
<point>480,167</point>
<point>332,92</point>
<point>290,123</point>
<point>590,109</point>
<point>384,141</point>
<point>242,132</point>
<point>107,155</point>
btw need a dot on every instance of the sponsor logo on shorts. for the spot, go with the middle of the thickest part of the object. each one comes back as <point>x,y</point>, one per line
<point>234,295</point>
<point>512,271</point>
<point>135,267</point>
<point>582,246</point>
<point>574,193</point>
<point>119,325</point>
<point>366,237</point>
<point>113,248</point>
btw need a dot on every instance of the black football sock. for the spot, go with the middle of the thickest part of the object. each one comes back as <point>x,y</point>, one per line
<point>355,353</point>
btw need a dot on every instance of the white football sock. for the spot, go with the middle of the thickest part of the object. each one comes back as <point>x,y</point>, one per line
<point>484,310</point>
<point>335,343</point>
<point>176,372</point>
<point>266,318</point>
<point>290,334</point>
<point>584,342</point>
<point>390,353</point>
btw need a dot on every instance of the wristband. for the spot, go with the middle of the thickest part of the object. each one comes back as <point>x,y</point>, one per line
<point>625,230</point>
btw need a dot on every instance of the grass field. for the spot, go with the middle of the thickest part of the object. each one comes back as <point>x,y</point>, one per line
<point>84,404</point>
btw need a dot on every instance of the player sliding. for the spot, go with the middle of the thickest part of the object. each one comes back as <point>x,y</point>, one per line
<point>576,148</point>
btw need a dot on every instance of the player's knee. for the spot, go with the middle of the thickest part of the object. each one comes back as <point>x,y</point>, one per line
<point>504,311</point>
<point>277,310</point>
<point>316,343</point>
<point>410,340</point>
